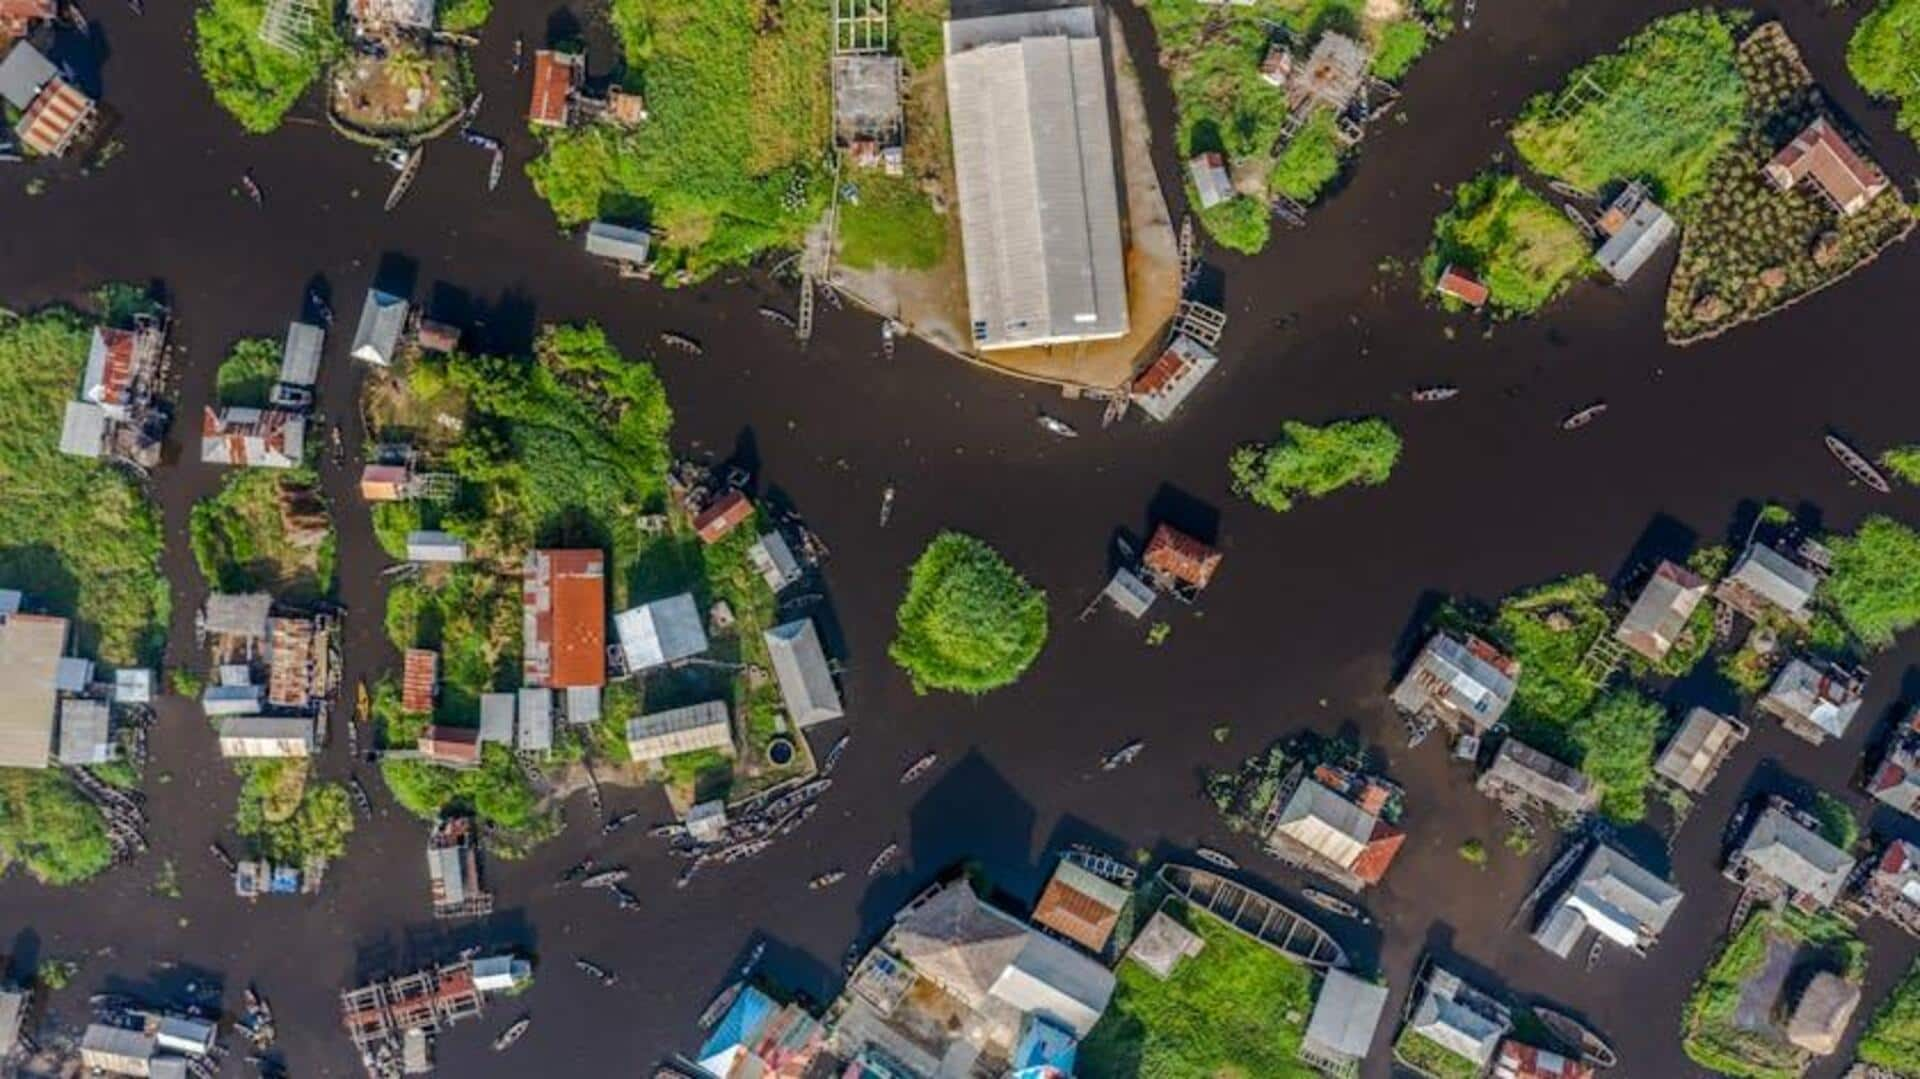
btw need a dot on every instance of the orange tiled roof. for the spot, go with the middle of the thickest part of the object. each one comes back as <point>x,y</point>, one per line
<point>1076,915</point>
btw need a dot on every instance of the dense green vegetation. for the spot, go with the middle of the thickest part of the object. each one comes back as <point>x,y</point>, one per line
<point>289,818</point>
<point>1523,249</point>
<point>77,536</point>
<point>1238,224</point>
<point>247,376</point>
<point>1616,741</point>
<point>1548,629</point>
<point>498,791</point>
<point>1892,1039</point>
<point>892,224</point>
<point>463,16</point>
<point>1312,462</point>
<point>969,622</point>
<point>1884,57</point>
<point>1903,462</point>
<point>1429,1056</point>
<point>1875,583</point>
<point>1235,1009</point>
<point>48,829</point>
<point>251,79</point>
<point>1400,44</point>
<point>1838,825</point>
<point>1311,160</point>
<point>725,168</point>
<point>244,541</point>
<point>1709,1034</point>
<point>1660,108</point>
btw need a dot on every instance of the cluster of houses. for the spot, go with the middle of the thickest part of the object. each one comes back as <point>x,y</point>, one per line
<point>274,436</point>
<point>560,100</point>
<point>276,671</point>
<point>150,1043</point>
<point>119,414</point>
<point>56,710</point>
<point>1173,564</point>
<point>55,114</point>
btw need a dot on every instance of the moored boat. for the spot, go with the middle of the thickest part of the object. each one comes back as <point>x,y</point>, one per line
<point>1583,417</point>
<point>512,1034</point>
<point>777,317</point>
<point>682,342</point>
<point>826,880</point>
<point>1861,468</point>
<point>1124,755</point>
<point>1427,394</point>
<point>718,1006</point>
<point>1259,916</point>
<point>1327,901</point>
<point>1575,1034</point>
<point>604,878</point>
<point>1055,425</point>
<point>1208,854</point>
<point>918,768</point>
<point>607,977</point>
<point>833,754</point>
<point>880,860</point>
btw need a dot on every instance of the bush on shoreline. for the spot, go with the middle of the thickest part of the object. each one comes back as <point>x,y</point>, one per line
<point>1885,59</point>
<point>254,81</point>
<point>1525,250</point>
<point>969,623</point>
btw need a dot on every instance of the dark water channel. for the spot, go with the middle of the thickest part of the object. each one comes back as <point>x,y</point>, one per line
<point>1304,628</point>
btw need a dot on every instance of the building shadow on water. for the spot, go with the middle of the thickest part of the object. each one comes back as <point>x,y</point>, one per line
<point>22,962</point>
<point>431,943</point>
<point>1665,538</point>
<point>176,985</point>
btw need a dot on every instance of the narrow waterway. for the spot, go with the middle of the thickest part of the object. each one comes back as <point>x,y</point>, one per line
<point>1304,628</point>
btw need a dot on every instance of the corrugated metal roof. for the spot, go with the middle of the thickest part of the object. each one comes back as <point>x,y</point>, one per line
<point>83,429</point>
<point>30,647</point>
<point>496,717</point>
<point>24,71</point>
<point>300,355</point>
<point>618,242</point>
<point>1695,753</point>
<point>86,731</point>
<point>383,318</point>
<point>1643,233</point>
<point>1789,852</point>
<point>1346,1015</point>
<point>564,618</point>
<point>660,632</point>
<point>534,730</point>
<point>680,730</point>
<point>800,667</point>
<point>266,736</point>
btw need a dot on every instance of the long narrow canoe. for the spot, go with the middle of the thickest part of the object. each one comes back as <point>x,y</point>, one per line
<point>1261,917</point>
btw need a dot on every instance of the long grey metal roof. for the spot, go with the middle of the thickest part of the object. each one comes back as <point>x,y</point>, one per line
<point>800,666</point>
<point>1346,1015</point>
<point>679,730</point>
<point>30,647</point>
<point>618,242</point>
<point>382,319</point>
<point>535,727</point>
<point>86,731</point>
<point>1696,751</point>
<point>1035,168</point>
<point>300,355</point>
<point>240,614</point>
<point>1794,855</point>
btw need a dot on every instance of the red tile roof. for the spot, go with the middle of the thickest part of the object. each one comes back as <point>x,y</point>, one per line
<point>451,745</point>
<point>725,514</point>
<point>420,678</point>
<point>1378,854</point>
<point>555,74</point>
<point>1518,1061</point>
<point>1180,556</point>
<point>1076,915</point>
<point>1821,153</point>
<point>53,118</point>
<point>1462,286</point>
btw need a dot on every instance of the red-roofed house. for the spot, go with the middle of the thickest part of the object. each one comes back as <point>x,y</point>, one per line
<point>1377,857</point>
<point>722,516</point>
<point>1173,554</point>
<point>556,75</point>
<point>1897,781</point>
<point>1462,286</point>
<point>1848,180</point>
<point>564,619</point>
<point>420,680</point>
<point>456,746</point>
<point>253,437</point>
<point>383,483</point>
<point>1172,376</point>
<point>57,116</point>
<point>1518,1061</point>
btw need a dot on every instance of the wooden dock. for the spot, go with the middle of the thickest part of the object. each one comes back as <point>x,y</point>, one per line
<point>1265,919</point>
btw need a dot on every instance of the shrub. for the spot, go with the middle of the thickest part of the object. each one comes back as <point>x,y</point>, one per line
<point>464,16</point>
<point>1524,249</point>
<point>1892,1039</point>
<point>1310,162</point>
<point>49,829</point>
<point>1617,740</point>
<point>1400,45</point>
<point>1314,461</point>
<point>1903,462</point>
<point>1875,583</point>
<point>247,376</point>
<point>1240,224</point>
<point>969,622</point>
<point>251,79</point>
<point>1884,56</point>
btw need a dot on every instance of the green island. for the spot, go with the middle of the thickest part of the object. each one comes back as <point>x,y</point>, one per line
<point>1874,585</point>
<point>1520,245</point>
<point>266,530</point>
<point>1783,947</point>
<point>413,87</point>
<point>1892,1037</point>
<point>969,623</point>
<point>1903,462</point>
<point>1235,1009</point>
<point>79,538</point>
<point>1313,462</point>
<point>1884,60</point>
<point>247,376</point>
<point>1213,56</point>
<point>287,817</point>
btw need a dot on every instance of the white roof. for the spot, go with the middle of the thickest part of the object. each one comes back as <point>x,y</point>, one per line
<point>618,242</point>
<point>800,666</point>
<point>382,319</point>
<point>83,430</point>
<point>1049,979</point>
<point>30,647</point>
<point>232,700</point>
<point>266,736</point>
<point>679,730</point>
<point>1346,1014</point>
<point>1034,163</point>
<point>1325,823</point>
<point>86,731</point>
<point>535,730</point>
<point>660,632</point>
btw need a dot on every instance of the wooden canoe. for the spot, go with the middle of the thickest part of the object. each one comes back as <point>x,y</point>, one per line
<point>1261,917</point>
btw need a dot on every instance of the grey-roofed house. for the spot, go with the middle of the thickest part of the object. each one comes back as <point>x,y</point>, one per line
<point>300,355</point>
<point>1766,579</point>
<point>13,1011</point>
<point>1694,755</point>
<point>660,632</point>
<point>1636,228</point>
<point>266,736</point>
<point>534,730</point>
<point>618,243</point>
<point>1459,1018</point>
<point>1781,855</point>
<point>1896,782</point>
<point>800,668</point>
<point>237,614</point>
<point>432,546</point>
<point>582,704</point>
<point>1035,168</point>
<point>773,559</point>
<point>83,430</point>
<point>1523,776</point>
<point>658,735</point>
<point>1345,1017</point>
<point>24,71</point>
<point>496,718</point>
<point>117,1050</point>
<point>1463,683</point>
<point>30,647</point>
<point>1129,593</point>
<point>383,319</point>
<point>1815,699</point>
<point>86,731</point>
<point>246,700</point>
<point>1655,621</point>
<point>1614,896</point>
<point>1210,180</point>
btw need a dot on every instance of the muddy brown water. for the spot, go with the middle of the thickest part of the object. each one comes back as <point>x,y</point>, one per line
<point>1304,628</point>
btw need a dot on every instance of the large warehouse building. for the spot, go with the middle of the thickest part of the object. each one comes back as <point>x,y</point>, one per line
<point>1034,160</point>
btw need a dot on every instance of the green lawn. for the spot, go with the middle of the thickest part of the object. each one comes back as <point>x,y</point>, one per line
<point>1235,1010</point>
<point>892,225</point>
<point>251,79</point>
<point>1659,108</point>
<point>1313,462</point>
<point>1884,57</point>
<point>1519,244</point>
<point>1709,1035</point>
<point>1430,1056</point>
<point>247,376</point>
<point>1892,1039</point>
<point>969,622</point>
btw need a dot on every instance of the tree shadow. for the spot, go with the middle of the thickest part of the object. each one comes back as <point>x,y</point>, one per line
<point>47,583</point>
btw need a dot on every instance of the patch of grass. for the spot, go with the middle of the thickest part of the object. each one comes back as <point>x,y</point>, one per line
<point>1474,853</point>
<point>247,376</point>
<point>1616,741</point>
<point>969,623</point>
<point>243,541</point>
<point>1903,462</point>
<point>1884,57</point>
<point>1311,161</point>
<point>1875,583</point>
<point>464,16</point>
<point>1429,1056</point>
<point>726,167</point>
<point>251,79</point>
<point>1235,1009</point>
<point>893,224</point>
<point>1313,462</point>
<point>1239,224</point>
<point>286,817</point>
<point>1399,46</point>
<point>1670,99</point>
<point>702,774</point>
<point>1548,629</point>
<point>1892,1039</point>
<point>1519,244</point>
<point>48,829</point>
<point>77,536</point>
<point>1709,1034</point>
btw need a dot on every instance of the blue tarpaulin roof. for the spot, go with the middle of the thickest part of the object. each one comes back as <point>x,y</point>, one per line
<point>749,1013</point>
<point>1045,1049</point>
